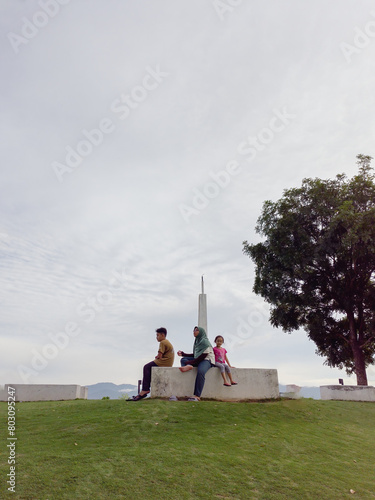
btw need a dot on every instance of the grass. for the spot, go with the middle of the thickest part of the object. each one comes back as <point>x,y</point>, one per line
<point>154,449</point>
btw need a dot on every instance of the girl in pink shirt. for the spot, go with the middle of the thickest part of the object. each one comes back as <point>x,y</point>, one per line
<point>222,362</point>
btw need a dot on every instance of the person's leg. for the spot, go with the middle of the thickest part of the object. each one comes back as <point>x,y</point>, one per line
<point>185,359</point>
<point>184,366</point>
<point>200,379</point>
<point>222,371</point>
<point>229,373</point>
<point>147,378</point>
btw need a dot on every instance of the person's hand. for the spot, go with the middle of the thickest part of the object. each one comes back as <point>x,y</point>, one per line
<point>179,353</point>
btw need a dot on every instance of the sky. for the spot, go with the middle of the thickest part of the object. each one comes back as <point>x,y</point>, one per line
<point>139,141</point>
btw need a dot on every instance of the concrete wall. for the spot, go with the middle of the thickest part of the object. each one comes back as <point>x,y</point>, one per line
<point>35,392</point>
<point>253,383</point>
<point>347,392</point>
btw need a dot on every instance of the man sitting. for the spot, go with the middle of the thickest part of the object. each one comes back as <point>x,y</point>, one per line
<point>164,357</point>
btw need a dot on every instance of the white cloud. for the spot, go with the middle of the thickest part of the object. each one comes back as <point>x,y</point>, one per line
<point>119,209</point>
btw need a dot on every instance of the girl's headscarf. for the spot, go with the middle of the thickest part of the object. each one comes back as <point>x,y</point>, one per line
<point>201,343</point>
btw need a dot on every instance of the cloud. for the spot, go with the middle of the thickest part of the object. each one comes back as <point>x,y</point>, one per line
<point>62,243</point>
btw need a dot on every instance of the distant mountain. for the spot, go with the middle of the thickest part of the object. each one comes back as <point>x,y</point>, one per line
<point>113,391</point>
<point>310,392</point>
<point>305,392</point>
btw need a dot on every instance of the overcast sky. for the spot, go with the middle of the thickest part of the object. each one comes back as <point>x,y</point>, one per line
<point>139,141</point>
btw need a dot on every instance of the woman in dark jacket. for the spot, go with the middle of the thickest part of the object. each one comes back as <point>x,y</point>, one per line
<point>202,357</point>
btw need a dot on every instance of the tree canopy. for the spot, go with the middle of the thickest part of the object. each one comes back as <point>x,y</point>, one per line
<point>316,267</point>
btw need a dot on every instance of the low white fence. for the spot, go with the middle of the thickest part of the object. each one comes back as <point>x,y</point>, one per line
<point>40,392</point>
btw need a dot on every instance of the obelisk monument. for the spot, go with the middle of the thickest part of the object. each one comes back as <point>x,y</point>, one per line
<point>202,309</point>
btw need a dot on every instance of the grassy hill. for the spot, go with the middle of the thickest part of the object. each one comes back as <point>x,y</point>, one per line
<point>154,449</point>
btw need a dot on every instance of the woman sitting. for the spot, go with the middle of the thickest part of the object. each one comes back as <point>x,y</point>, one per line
<point>203,358</point>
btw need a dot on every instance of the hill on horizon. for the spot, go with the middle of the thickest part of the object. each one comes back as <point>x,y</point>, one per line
<point>108,389</point>
<point>305,392</point>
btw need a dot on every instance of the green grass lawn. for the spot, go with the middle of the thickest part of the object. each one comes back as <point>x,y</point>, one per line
<point>154,449</point>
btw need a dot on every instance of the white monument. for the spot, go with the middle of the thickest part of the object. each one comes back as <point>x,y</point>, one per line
<point>202,309</point>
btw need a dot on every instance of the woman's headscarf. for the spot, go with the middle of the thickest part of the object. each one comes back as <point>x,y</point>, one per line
<point>201,343</point>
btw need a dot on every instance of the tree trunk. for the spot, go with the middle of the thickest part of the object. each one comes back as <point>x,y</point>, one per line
<point>359,358</point>
<point>360,366</point>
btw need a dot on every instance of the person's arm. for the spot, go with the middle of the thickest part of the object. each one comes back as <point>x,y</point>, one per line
<point>160,351</point>
<point>197,360</point>
<point>182,353</point>
<point>227,360</point>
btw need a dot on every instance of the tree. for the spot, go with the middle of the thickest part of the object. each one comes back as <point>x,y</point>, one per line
<point>316,267</point>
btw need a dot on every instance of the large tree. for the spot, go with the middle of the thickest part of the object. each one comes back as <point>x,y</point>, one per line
<point>316,267</point>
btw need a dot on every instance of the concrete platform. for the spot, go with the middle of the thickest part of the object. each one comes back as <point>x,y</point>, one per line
<point>52,392</point>
<point>347,392</point>
<point>253,384</point>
